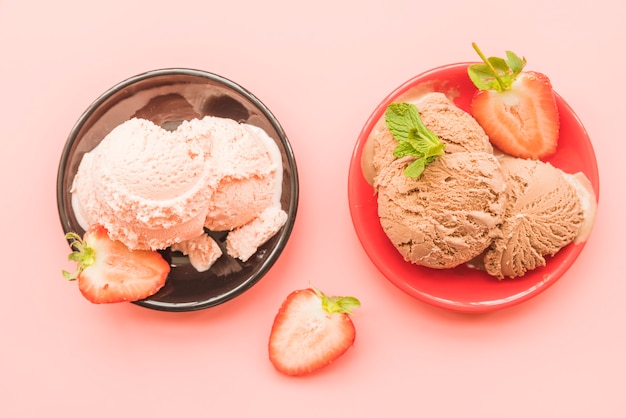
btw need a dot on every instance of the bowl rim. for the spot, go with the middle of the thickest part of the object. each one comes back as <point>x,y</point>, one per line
<point>283,234</point>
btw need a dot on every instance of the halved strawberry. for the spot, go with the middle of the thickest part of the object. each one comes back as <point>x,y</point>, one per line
<point>109,272</point>
<point>517,109</point>
<point>310,331</point>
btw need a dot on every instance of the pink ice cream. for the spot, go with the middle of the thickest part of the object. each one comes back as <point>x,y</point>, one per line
<point>246,163</point>
<point>203,251</point>
<point>153,188</point>
<point>143,184</point>
<point>243,242</point>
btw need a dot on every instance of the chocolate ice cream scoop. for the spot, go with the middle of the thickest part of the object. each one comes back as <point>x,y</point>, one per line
<point>543,214</point>
<point>453,126</point>
<point>447,216</point>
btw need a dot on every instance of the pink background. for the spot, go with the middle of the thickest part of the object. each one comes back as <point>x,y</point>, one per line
<point>321,67</point>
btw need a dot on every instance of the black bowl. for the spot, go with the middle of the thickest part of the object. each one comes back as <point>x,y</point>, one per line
<point>167,97</point>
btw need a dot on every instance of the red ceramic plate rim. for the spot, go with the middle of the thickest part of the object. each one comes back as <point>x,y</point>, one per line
<point>463,289</point>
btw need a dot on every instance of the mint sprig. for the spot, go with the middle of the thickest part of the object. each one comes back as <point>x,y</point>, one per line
<point>496,73</point>
<point>414,138</point>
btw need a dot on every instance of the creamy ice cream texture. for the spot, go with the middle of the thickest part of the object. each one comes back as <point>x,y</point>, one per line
<point>447,216</point>
<point>471,204</point>
<point>543,214</point>
<point>454,127</point>
<point>153,188</point>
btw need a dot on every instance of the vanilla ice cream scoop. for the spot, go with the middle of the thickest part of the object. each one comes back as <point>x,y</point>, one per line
<point>543,214</point>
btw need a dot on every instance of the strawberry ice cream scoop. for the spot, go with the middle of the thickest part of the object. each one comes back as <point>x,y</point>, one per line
<point>246,163</point>
<point>144,184</point>
<point>152,188</point>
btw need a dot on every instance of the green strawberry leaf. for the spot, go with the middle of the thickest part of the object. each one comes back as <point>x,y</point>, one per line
<point>82,254</point>
<point>516,63</point>
<point>338,304</point>
<point>496,73</point>
<point>414,138</point>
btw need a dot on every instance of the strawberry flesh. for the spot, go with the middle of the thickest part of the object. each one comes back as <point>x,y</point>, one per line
<point>305,337</point>
<point>522,121</point>
<point>118,274</point>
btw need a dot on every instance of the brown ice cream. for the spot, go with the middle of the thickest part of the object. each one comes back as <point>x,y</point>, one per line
<point>543,214</point>
<point>454,127</point>
<point>470,205</point>
<point>447,216</point>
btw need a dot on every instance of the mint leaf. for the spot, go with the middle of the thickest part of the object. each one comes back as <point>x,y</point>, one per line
<point>401,120</point>
<point>415,169</point>
<point>403,149</point>
<point>414,138</point>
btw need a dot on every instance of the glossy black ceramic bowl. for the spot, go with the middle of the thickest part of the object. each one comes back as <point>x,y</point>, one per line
<point>167,97</point>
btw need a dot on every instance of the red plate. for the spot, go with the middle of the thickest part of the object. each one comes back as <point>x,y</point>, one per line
<point>464,288</point>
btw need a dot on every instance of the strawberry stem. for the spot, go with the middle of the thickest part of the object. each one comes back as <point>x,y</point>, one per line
<point>82,254</point>
<point>488,64</point>
<point>337,304</point>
